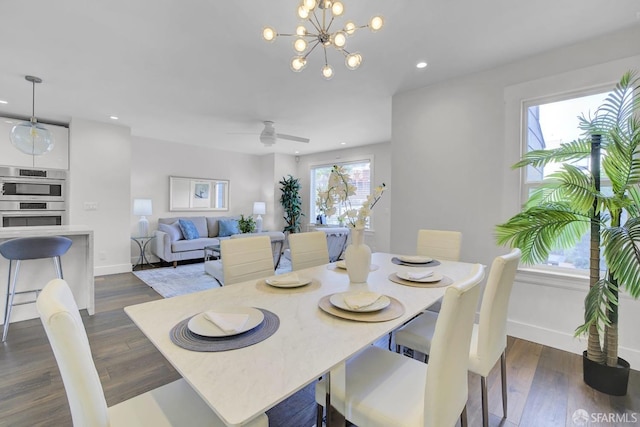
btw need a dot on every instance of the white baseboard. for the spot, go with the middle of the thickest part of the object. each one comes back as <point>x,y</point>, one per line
<point>564,341</point>
<point>111,269</point>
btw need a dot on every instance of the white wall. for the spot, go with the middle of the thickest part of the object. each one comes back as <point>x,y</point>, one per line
<point>378,237</point>
<point>99,172</point>
<point>450,168</point>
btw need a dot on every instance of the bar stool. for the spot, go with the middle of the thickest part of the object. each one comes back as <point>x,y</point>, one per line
<point>26,248</point>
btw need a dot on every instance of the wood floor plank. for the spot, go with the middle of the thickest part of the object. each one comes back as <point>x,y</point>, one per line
<point>548,396</point>
<point>522,360</point>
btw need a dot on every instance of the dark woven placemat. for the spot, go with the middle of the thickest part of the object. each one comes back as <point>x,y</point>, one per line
<point>433,263</point>
<point>181,335</point>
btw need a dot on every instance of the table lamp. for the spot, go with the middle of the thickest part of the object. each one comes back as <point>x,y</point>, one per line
<point>259,208</point>
<point>142,207</point>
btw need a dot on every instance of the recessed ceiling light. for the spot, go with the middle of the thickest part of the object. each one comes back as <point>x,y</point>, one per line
<point>297,152</point>
<point>421,65</point>
<point>113,117</point>
<point>3,102</point>
<point>343,143</point>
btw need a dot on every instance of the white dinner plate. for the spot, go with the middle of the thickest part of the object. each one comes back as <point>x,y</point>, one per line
<point>435,277</point>
<point>337,300</point>
<point>201,326</point>
<point>273,281</point>
<point>414,259</point>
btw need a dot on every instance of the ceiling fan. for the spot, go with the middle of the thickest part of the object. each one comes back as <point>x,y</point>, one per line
<point>268,136</point>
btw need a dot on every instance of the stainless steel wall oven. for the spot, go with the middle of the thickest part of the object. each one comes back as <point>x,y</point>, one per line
<point>32,197</point>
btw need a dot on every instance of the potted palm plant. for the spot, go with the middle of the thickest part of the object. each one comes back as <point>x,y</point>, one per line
<point>570,203</point>
<point>291,202</point>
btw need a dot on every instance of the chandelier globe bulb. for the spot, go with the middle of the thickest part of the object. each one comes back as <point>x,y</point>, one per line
<point>376,23</point>
<point>269,34</point>
<point>337,8</point>
<point>353,60</point>
<point>300,45</point>
<point>309,4</point>
<point>339,39</point>
<point>303,12</point>
<point>327,72</point>
<point>298,63</point>
<point>301,30</point>
<point>350,27</point>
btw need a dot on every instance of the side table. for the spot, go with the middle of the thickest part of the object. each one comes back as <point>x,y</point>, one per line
<point>142,242</point>
<point>211,251</point>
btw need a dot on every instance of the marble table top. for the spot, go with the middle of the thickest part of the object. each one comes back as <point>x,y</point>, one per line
<point>242,383</point>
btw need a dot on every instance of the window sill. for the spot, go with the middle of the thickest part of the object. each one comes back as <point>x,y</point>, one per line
<point>575,281</point>
<point>564,279</point>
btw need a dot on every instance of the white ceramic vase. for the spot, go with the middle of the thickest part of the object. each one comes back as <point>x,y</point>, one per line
<point>357,257</point>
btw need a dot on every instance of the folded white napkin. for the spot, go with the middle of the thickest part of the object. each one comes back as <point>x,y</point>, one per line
<point>228,322</point>
<point>417,275</point>
<point>357,300</point>
<point>285,279</point>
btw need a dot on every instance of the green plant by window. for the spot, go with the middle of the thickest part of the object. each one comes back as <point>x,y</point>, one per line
<point>291,201</point>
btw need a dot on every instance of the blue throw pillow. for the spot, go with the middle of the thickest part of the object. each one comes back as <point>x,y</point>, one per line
<point>228,227</point>
<point>189,229</point>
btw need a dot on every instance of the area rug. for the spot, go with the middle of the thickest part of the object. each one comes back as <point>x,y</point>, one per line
<point>185,279</point>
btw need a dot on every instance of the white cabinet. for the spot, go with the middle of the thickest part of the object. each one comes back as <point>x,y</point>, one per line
<point>58,158</point>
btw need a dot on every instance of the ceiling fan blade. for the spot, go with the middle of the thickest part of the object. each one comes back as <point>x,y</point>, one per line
<point>292,138</point>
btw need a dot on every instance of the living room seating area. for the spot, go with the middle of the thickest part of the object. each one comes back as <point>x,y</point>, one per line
<point>172,245</point>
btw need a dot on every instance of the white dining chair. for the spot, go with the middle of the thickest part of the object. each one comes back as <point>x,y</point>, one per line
<point>242,259</point>
<point>308,249</point>
<point>489,339</point>
<point>174,404</point>
<point>439,244</point>
<point>386,389</point>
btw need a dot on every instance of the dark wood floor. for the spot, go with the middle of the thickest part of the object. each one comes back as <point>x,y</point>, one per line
<point>545,384</point>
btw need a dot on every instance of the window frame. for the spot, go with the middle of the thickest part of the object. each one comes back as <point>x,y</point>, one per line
<point>527,186</point>
<point>314,191</point>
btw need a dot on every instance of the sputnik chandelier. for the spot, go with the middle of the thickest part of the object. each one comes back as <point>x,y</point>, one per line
<point>321,15</point>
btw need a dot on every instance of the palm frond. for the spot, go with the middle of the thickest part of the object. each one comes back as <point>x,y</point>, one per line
<point>550,191</point>
<point>539,230</point>
<point>569,151</point>
<point>633,208</point>
<point>622,254</point>
<point>619,106</point>
<point>621,164</point>
<point>576,187</point>
<point>597,303</point>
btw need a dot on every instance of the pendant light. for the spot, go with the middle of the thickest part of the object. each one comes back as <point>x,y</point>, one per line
<point>31,137</point>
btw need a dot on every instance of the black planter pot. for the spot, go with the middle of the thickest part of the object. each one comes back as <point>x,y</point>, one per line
<point>612,380</point>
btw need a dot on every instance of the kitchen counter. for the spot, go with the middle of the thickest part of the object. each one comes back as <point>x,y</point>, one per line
<point>77,268</point>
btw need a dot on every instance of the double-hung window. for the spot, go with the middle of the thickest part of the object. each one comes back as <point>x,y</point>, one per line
<point>360,173</point>
<point>549,123</point>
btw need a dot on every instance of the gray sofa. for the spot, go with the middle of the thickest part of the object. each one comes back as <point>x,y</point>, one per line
<point>171,246</point>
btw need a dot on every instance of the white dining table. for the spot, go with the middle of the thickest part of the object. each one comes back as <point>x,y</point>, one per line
<point>240,384</point>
